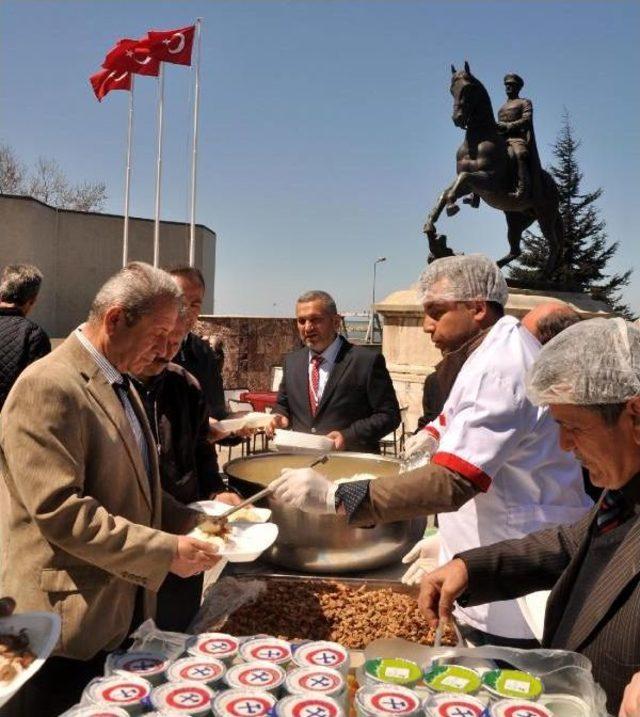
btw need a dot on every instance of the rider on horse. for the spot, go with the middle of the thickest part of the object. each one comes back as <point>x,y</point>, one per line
<point>515,121</point>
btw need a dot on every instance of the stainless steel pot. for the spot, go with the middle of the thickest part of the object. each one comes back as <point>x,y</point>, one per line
<point>326,543</point>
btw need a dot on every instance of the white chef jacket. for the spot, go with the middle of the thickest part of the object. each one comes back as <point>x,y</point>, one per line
<point>495,437</point>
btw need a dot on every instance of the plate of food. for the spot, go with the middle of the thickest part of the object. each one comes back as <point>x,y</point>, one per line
<point>26,640</point>
<point>248,514</point>
<point>237,542</point>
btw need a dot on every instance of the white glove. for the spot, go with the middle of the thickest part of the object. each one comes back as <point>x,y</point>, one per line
<point>421,442</point>
<point>423,558</point>
<point>305,489</point>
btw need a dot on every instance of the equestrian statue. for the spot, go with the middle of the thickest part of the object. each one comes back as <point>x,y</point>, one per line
<point>499,163</point>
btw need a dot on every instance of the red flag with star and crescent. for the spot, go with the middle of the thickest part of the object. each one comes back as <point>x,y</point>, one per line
<point>172,45</point>
<point>106,80</point>
<point>132,56</point>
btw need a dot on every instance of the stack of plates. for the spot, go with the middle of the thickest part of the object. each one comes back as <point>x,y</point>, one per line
<point>298,442</point>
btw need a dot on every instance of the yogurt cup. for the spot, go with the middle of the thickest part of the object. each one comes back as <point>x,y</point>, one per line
<point>315,680</point>
<point>453,705</point>
<point>386,700</point>
<point>214,644</point>
<point>207,670</point>
<point>127,691</point>
<point>563,705</point>
<point>94,711</point>
<point>185,698</point>
<point>308,705</point>
<point>150,665</point>
<point>322,654</point>
<point>243,703</point>
<point>394,671</point>
<point>519,708</point>
<point>514,684</point>
<point>268,649</point>
<point>257,675</point>
<point>452,678</point>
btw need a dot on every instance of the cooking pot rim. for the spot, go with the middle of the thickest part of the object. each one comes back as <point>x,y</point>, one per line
<point>337,454</point>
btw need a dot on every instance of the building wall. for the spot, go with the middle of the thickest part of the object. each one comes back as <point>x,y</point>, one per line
<point>78,251</point>
<point>252,346</point>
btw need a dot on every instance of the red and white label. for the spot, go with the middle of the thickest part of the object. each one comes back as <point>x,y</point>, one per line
<point>458,708</point>
<point>394,702</point>
<point>142,665</point>
<point>264,677</point>
<point>270,653</point>
<point>313,708</point>
<point>201,671</point>
<point>188,698</point>
<point>325,657</point>
<point>320,682</point>
<point>219,646</point>
<point>525,710</point>
<point>250,706</point>
<point>124,693</point>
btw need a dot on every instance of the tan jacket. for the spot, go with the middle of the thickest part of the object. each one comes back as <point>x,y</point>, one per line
<point>79,518</point>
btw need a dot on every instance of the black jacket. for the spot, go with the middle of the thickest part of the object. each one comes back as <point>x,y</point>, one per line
<point>179,420</point>
<point>200,360</point>
<point>22,341</point>
<point>358,400</point>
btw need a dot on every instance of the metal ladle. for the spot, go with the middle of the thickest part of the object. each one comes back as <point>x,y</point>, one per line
<point>258,496</point>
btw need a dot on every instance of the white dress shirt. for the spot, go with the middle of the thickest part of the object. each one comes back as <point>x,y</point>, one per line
<point>329,355</point>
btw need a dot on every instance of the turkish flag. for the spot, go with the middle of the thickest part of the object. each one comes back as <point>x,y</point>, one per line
<point>132,56</point>
<point>172,45</point>
<point>106,80</point>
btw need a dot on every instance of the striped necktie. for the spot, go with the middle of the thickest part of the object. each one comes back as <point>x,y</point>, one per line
<point>612,511</point>
<point>314,383</point>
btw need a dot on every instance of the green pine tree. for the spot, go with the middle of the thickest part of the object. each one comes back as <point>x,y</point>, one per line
<point>586,248</point>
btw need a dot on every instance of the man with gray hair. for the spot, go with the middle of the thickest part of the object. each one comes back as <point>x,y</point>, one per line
<point>331,387</point>
<point>83,516</point>
<point>22,341</point>
<point>589,377</point>
<point>496,468</point>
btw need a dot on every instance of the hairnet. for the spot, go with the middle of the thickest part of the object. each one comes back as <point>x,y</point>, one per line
<point>595,361</point>
<point>463,278</point>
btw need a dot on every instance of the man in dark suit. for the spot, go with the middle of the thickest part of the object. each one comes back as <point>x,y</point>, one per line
<point>331,387</point>
<point>589,375</point>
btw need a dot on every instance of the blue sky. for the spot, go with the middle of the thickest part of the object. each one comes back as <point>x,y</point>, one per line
<point>325,125</point>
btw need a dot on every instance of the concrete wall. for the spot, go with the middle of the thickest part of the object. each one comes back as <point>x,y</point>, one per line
<point>252,346</point>
<point>78,251</point>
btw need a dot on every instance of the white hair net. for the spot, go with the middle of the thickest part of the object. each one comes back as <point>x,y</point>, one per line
<point>463,278</point>
<point>594,361</point>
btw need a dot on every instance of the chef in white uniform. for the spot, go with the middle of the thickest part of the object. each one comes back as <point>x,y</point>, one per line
<point>497,469</point>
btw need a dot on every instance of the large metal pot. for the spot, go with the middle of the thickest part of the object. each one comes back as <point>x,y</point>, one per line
<point>325,543</point>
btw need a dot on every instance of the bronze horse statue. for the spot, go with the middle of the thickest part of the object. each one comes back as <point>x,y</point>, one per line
<point>486,169</point>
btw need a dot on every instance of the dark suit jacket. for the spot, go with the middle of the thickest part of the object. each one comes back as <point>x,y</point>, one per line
<point>607,629</point>
<point>358,400</point>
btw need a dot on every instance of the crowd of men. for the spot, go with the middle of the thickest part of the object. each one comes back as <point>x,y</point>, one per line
<point>105,442</point>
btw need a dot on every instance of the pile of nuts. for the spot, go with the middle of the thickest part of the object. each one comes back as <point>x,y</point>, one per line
<point>330,610</point>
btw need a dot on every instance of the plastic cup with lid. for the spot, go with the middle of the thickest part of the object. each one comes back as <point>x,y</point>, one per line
<point>243,703</point>
<point>186,698</point>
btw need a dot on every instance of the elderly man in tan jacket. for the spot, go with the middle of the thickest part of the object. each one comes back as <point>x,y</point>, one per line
<point>83,516</point>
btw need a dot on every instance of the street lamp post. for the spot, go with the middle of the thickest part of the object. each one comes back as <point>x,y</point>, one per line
<point>372,318</point>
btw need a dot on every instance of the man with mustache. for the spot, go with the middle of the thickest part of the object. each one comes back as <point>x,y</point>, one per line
<point>333,388</point>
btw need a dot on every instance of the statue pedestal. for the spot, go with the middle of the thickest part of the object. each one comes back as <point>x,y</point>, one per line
<point>411,355</point>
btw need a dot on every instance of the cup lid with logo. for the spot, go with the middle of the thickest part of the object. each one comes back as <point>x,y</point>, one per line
<point>214,644</point>
<point>308,705</point>
<point>270,649</point>
<point>387,700</point>
<point>119,690</point>
<point>199,669</point>
<point>243,703</point>
<point>314,679</point>
<point>187,698</point>
<point>258,675</point>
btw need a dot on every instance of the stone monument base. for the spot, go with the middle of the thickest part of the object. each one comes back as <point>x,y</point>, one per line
<point>411,355</point>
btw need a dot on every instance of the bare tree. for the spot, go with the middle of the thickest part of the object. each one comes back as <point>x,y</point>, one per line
<point>12,172</point>
<point>48,183</point>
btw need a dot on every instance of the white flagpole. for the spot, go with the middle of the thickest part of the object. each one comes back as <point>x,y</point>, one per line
<point>156,228</point>
<point>127,180</point>
<point>194,154</point>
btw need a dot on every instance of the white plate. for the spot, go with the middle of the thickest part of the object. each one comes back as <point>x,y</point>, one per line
<point>217,507</point>
<point>247,541</point>
<point>299,442</point>
<point>43,629</point>
<point>253,420</point>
